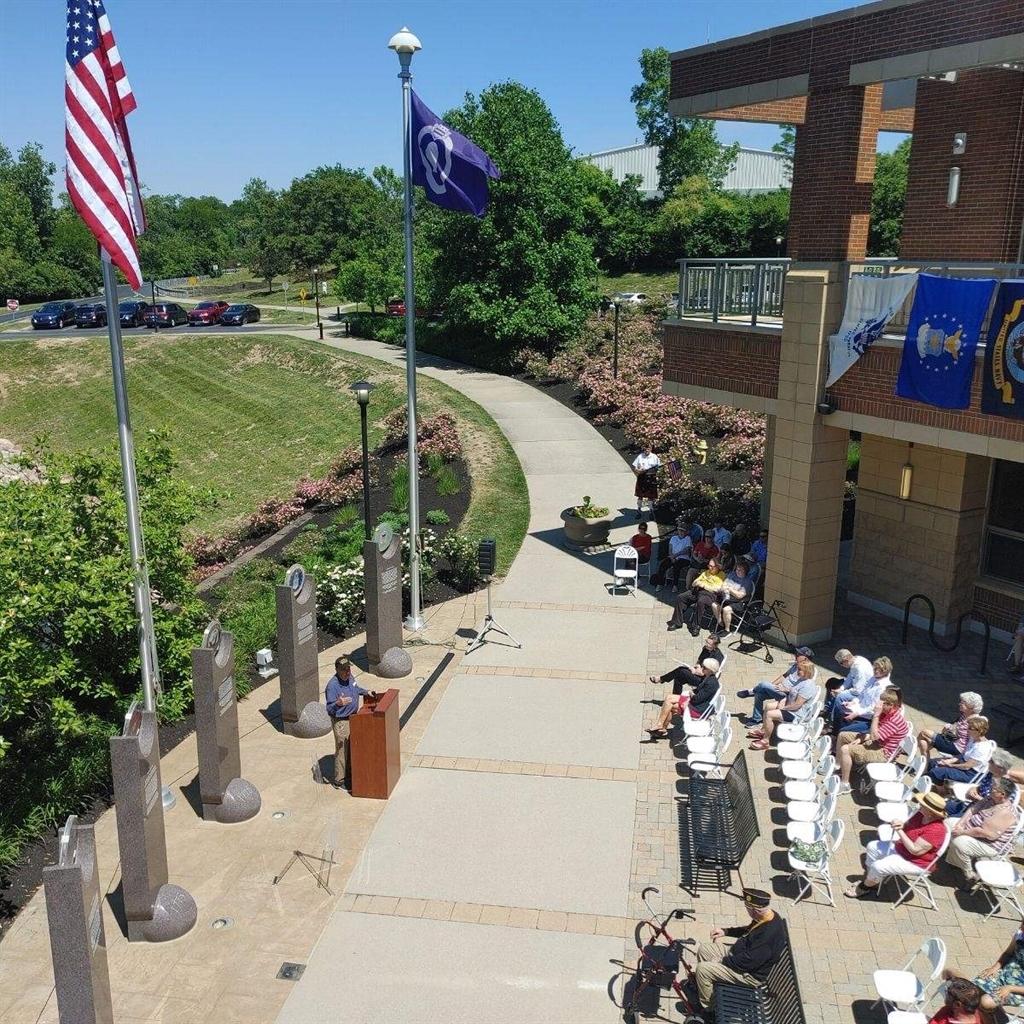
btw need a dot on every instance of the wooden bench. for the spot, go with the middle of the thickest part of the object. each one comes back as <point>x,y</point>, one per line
<point>777,1001</point>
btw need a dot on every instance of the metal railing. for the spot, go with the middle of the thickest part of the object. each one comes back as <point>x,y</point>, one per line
<point>734,290</point>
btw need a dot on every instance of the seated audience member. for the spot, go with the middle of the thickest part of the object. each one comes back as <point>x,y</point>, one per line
<point>1003,982</point>
<point>952,737</point>
<point>703,551</point>
<point>678,558</point>
<point>778,688</point>
<point>749,960</point>
<point>734,592</point>
<point>913,845</point>
<point>1017,668</point>
<point>740,542</point>
<point>753,568</point>
<point>853,709</point>
<point>726,558</point>
<point>708,582</point>
<point>963,998</point>
<point>796,706</point>
<point>999,765</point>
<point>858,672</point>
<point>986,826</point>
<point>698,701</point>
<point>641,540</point>
<point>690,675</point>
<point>887,730</point>
<point>759,549</point>
<point>720,533</point>
<point>963,767</point>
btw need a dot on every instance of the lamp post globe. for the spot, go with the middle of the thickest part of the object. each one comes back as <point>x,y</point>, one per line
<point>404,43</point>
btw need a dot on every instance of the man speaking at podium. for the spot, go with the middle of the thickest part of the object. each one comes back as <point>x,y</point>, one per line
<point>342,697</point>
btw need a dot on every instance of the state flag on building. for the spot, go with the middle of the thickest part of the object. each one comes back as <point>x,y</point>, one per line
<point>101,177</point>
<point>452,170</point>
<point>942,336</point>
<point>1002,385</point>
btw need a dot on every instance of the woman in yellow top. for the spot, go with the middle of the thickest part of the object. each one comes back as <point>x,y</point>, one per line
<point>705,586</point>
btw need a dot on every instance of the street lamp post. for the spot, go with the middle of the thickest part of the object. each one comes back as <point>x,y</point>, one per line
<point>405,44</point>
<point>316,297</point>
<point>362,389</point>
<point>615,348</point>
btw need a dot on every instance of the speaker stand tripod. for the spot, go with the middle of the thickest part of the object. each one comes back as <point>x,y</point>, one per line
<point>490,622</point>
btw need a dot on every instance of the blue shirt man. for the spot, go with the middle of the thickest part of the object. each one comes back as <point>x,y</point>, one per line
<point>759,549</point>
<point>342,697</point>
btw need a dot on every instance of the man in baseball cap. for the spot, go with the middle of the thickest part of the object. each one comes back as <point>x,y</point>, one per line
<point>749,959</point>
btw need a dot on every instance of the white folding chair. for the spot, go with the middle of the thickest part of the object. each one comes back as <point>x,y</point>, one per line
<point>712,763</point>
<point>914,878</point>
<point>889,770</point>
<point>900,810</point>
<point>904,989</point>
<point>702,726</point>
<point>808,810</point>
<point>624,568</point>
<point>809,874</point>
<point>643,569</point>
<point>999,878</point>
<point>799,750</point>
<point>812,831</point>
<point>706,744</point>
<point>794,732</point>
<point>808,789</point>
<point>899,790</point>
<point>723,657</point>
<point>800,771</point>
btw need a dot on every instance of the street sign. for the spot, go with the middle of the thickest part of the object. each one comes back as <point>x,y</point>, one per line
<point>302,294</point>
<point>13,304</point>
<point>193,281</point>
<point>285,285</point>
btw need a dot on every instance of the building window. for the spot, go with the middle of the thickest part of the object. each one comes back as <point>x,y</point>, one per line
<point>1004,533</point>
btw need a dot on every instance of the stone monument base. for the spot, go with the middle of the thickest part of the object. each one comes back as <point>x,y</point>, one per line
<point>174,914</point>
<point>313,721</point>
<point>395,664</point>
<point>241,802</point>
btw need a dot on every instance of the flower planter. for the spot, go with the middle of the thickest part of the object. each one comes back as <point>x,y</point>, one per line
<point>584,533</point>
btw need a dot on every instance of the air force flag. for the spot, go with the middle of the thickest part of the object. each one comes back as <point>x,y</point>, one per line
<point>1002,385</point>
<point>452,171</point>
<point>942,336</point>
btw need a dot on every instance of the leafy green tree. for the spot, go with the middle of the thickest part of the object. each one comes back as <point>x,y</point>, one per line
<point>766,217</point>
<point>261,239</point>
<point>689,146</point>
<point>699,220</point>
<point>786,144</point>
<point>523,274</point>
<point>888,194</point>
<point>617,219</point>
<point>31,176</point>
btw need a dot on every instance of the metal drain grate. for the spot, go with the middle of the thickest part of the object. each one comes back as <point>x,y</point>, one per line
<point>290,972</point>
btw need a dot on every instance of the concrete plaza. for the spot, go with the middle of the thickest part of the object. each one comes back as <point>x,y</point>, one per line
<point>501,880</point>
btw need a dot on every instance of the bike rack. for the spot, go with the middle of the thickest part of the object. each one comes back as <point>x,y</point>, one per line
<point>980,616</point>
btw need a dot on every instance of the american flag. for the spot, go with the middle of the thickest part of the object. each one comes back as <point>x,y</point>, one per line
<point>101,177</point>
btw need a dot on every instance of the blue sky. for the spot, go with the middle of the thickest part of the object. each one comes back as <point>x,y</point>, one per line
<point>234,89</point>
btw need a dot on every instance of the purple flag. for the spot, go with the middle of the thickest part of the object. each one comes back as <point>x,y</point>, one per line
<point>452,171</point>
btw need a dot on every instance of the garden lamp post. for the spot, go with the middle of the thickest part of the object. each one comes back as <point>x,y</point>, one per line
<point>778,246</point>
<point>362,389</point>
<point>316,298</point>
<point>615,346</point>
<point>405,44</point>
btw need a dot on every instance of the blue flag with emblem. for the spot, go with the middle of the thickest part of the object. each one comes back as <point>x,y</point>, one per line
<point>1002,384</point>
<point>942,337</point>
<point>451,170</point>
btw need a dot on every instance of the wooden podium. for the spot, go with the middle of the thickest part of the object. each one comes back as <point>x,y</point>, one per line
<point>375,747</point>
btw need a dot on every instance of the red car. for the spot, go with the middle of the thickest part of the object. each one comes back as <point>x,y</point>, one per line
<point>207,312</point>
<point>396,307</point>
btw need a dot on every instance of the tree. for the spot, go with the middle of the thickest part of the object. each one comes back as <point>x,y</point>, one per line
<point>688,146</point>
<point>523,274</point>
<point>888,194</point>
<point>260,236</point>
<point>616,219</point>
<point>31,176</point>
<point>786,145</point>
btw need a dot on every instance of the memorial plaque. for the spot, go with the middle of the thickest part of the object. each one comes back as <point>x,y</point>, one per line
<point>382,579</point>
<point>226,797</point>
<point>156,910</point>
<point>78,944</point>
<point>303,713</point>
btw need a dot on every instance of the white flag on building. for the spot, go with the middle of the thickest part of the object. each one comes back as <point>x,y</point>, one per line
<point>871,302</point>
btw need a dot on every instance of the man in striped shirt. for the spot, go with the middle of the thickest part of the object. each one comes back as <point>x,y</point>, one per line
<point>887,730</point>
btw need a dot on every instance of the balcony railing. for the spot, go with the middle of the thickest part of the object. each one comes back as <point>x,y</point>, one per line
<point>732,290</point>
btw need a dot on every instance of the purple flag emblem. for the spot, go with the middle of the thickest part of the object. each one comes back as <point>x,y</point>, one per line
<point>451,170</point>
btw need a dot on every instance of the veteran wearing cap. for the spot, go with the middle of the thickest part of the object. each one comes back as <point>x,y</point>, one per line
<point>748,960</point>
<point>904,848</point>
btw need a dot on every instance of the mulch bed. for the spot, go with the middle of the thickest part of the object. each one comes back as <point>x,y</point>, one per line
<point>26,878</point>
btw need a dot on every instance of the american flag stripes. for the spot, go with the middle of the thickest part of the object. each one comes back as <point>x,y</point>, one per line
<point>101,177</point>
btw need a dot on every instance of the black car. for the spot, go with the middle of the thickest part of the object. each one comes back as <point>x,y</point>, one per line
<point>240,313</point>
<point>165,314</point>
<point>92,314</point>
<point>131,312</point>
<point>54,314</point>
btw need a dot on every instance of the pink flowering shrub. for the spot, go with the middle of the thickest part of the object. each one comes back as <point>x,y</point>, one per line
<point>204,550</point>
<point>436,436</point>
<point>272,514</point>
<point>739,452</point>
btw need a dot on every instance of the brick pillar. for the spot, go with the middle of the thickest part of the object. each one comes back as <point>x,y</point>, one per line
<point>808,464</point>
<point>833,170</point>
<point>926,544</point>
<point>766,478</point>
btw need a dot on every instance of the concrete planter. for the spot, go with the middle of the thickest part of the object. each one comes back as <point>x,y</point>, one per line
<point>584,533</point>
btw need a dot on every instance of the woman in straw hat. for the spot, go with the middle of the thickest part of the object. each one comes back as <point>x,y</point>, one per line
<point>913,845</point>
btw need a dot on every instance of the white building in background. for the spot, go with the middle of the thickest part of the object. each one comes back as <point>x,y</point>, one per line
<point>755,170</point>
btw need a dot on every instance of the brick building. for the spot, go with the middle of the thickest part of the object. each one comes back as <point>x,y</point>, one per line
<point>952,73</point>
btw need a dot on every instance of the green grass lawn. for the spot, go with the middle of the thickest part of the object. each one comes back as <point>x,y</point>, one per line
<point>659,285</point>
<point>286,316</point>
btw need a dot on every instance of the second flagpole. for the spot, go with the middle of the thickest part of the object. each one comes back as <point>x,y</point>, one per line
<point>405,44</point>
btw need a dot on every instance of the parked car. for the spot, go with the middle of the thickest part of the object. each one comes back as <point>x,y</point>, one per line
<point>53,314</point>
<point>165,314</point>
<point>91,314</point>
<point>629,298</point>
<point>396,307</point>
<point>131,312</point>
<point>207,312</point>
<point>240,313</point>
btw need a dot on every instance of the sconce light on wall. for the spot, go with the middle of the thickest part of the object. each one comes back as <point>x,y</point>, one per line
<point>953,188</point>
<point>827,405</point>
<point>959,143</point>
<point>907,475</point>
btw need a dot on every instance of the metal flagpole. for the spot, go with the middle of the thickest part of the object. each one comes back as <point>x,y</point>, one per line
<point>140,580</point>
<point>405,44</point>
